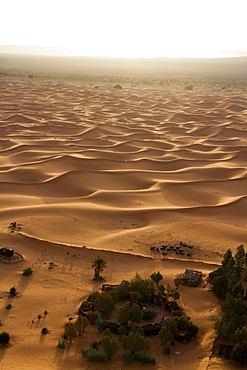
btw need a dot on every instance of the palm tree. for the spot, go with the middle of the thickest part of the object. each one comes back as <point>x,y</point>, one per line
<point>99,264</point>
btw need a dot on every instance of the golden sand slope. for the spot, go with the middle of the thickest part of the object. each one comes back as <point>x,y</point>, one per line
<point>114,169</point>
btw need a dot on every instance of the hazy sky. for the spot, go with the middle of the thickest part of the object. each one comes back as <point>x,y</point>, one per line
<point>126,28</point>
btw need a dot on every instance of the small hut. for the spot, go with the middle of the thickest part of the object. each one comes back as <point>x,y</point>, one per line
<point>7,252</point>
<point>191,277</point>
<point>113,326</point>
<point>152,329</point>
<point>106,288</point>
<point>86,306</point>
<point>158,299</point>
<point>177,313</point>
<point>172,306</point>
<point>183,337</point>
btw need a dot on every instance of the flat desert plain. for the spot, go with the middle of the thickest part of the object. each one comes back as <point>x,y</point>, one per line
<point>109,172</point>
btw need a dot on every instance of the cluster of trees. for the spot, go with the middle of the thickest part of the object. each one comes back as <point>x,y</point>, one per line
<point>132,337</point>
<point>133,341</point>
<point>72,330</point>
<point>109,347</point>
<point>229,284</point>
<point>139,290</point>
<point>173,325</point>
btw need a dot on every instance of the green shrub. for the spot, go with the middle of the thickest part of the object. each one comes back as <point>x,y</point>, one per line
<point>9,306</point>
<point>122,331</point>
<point>13,291</point>
<point>128,357</point>
<point>44,331</point>
<point>94,344</point>
<point>61,343</point>
<point>4,337</point>
<point>107,332</point>
<point>28,271</point>
<point>148,315</point>
<point>39,316</point>
<point>98,324</point>
<point>93,355</point>
<point>142,357</point>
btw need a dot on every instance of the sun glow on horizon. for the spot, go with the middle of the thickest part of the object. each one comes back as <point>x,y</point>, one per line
<point>129,29</point>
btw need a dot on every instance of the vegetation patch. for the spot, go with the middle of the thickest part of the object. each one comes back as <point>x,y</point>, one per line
<point>228,282</point>
<point>93,355</point>
<point>27,271</point>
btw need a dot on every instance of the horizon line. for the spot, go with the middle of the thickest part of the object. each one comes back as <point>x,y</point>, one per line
<point>76,52</point>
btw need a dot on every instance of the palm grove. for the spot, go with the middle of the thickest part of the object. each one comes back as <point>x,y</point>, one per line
<point>229,284</point>
<point>131,336</point>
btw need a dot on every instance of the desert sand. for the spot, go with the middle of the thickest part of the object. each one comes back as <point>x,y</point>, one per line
<point>91,171</point>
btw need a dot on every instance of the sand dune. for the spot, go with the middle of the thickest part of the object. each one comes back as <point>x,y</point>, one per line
<point>118,171</point>
<point>137,149</point>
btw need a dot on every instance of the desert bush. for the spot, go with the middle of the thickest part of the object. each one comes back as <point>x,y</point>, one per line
<point>4,337</point>
<point>13,291</point>
<point>39,316</point>
<point>44,331</point>
<point>142,357</point>
<point>122,331</point>
<point>27,271</point>
<point>9,306</point>
<point>61,343</point>
<point>98,324</point>
<point>107,332</point>
<point>93,355</point>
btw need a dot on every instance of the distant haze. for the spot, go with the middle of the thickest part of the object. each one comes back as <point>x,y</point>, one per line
<point>126,29</point>
<point>158,68</point>
<point>35,50</point>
